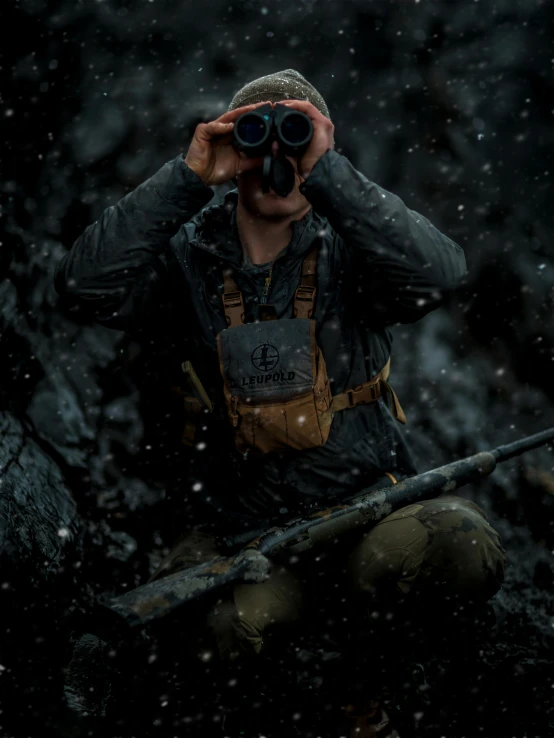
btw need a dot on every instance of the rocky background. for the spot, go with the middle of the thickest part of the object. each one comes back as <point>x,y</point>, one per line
<point>447,104</point>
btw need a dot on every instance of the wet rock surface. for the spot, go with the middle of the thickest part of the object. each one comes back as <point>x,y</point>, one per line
<point>448,106</point>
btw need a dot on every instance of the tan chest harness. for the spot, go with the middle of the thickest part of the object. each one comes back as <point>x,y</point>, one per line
<point>265,413</point>
<point>277,420</point>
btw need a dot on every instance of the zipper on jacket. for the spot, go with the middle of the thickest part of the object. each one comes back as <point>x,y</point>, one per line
<point>267,285</point>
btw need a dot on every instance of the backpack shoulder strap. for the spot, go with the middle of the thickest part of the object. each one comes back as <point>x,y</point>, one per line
<point>304,297</point>
<point>233,303</point>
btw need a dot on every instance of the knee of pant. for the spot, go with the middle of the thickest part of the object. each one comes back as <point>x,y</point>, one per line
<point>465,558</point>
<point>389,556</point>
<point>234,634</point>
<point>245,624</point>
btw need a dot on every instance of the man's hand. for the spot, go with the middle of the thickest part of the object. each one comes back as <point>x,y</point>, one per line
<point>322,140</point>
<point>211,154</point>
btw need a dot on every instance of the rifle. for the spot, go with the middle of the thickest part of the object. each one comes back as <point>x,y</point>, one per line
<point>161,596</point>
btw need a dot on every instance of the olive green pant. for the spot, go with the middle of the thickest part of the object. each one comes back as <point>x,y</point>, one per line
<point>444,547</point>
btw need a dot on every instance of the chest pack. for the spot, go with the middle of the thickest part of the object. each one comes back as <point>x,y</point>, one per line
<point>276,387</point>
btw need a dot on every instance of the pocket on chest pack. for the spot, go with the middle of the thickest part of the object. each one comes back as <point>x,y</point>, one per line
<point>276,386</point>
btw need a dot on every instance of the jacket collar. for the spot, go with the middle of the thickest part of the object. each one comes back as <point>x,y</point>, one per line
<point>217,231</point>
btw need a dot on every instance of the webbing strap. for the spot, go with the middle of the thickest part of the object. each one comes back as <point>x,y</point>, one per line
<point>193,408</point>
<point>396,406</point>
<point>360,395</point>
<point>304,297</point>
<point>233,304</point>
<point>370,392</point>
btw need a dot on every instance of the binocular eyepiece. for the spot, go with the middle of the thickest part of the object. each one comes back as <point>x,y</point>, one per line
<point>254,133</point>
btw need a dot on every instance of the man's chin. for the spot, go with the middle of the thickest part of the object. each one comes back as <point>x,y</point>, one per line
<point>268,204</point>
<point>271,199</point>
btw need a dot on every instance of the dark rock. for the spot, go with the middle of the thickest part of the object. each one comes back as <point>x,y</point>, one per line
<point>38,516</point>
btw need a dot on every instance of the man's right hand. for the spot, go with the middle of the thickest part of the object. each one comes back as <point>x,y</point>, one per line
<point>211,154</point>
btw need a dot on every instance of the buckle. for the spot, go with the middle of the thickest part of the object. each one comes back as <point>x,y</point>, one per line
<point>350,394</point>
<point>359,390</point>
<point>232,299</point>
<point>305,293</point>
<point>373,390</point>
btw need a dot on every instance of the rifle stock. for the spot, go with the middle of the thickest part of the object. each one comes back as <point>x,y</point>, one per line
<point>160,597</point>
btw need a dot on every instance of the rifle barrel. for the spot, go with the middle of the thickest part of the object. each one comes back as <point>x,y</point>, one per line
<point>509,450</point>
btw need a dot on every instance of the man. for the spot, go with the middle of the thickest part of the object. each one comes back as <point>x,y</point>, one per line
<point>340,257</point>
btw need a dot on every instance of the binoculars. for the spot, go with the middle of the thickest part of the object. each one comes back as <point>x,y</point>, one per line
<point>254,133</point>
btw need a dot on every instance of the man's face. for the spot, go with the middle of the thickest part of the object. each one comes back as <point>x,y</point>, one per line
<point>270,205</point>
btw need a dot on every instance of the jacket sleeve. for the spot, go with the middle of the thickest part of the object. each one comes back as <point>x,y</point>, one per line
<point>112,269</point>
<point>404,266</point>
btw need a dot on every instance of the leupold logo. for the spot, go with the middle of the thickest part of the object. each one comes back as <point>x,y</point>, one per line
<point>265,357</point>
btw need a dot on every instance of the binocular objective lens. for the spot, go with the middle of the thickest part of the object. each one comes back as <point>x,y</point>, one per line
<point>295,129</point>
<point>251,130</point>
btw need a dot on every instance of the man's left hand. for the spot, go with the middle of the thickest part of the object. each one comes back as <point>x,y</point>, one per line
<point>322,140</point>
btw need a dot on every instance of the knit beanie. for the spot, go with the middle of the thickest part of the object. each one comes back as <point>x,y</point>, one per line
<point>286,85</point>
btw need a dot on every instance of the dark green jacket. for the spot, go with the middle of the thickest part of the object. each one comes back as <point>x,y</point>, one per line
<point>155,260</point>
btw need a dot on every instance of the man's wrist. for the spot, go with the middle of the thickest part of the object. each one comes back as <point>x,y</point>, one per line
<point>190,165</point>
<point>306,176</point>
